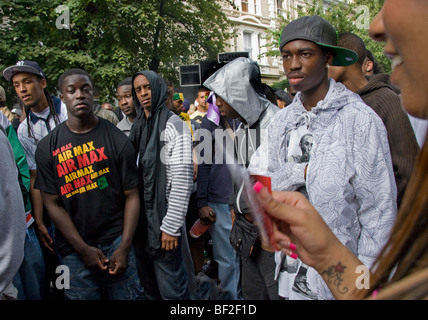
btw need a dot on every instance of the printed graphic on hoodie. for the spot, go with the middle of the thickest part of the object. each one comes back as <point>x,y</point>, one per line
<point>293,273</point>
<point>350,178</point>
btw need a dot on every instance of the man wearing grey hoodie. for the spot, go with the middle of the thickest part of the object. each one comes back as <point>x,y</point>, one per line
<point>239,95</point>
<point>12,217</point>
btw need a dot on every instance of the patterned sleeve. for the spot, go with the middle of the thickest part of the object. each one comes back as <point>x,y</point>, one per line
<point>269,160</point>
<point>28,145</point>
<point>375,187</point>
<point>259,163</point>
<point>179,175</point>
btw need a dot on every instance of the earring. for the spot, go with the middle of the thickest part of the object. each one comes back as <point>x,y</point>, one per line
<point>327,66</point>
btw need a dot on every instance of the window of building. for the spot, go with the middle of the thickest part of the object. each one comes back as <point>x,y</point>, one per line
<point>262,49</point>
<point>248,45</point>
<point>245,5</point>
<point>279,9</point>
<point>250,6</point>
<point>255,44</point>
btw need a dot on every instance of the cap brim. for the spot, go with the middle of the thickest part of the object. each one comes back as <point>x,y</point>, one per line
<point>9,72</point>
<point>344,57</point>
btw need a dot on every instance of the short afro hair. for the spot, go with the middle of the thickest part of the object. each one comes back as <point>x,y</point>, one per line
<point>71,72</point>
<point>352,41</point>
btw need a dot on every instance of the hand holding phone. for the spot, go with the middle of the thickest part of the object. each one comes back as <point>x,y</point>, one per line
<point>264,221</point>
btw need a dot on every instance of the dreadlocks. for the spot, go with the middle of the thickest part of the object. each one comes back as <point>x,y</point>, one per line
<point>52,113</point>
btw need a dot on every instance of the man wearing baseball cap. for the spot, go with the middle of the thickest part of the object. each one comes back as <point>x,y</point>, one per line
<point>177,103</point>
<point>176,106</point>
<point>347,176</point>
<point>43,113</point>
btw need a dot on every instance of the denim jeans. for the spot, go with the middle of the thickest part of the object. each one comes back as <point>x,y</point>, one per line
<point>171,274</point>
<point>92,284</point>
<point>30,278</point>
<point>226,257</point>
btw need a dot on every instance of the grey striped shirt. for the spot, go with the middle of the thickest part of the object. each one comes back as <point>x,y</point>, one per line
<point>177,157</point>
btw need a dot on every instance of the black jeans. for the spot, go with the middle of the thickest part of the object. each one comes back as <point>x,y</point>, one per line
<point>258,274</point>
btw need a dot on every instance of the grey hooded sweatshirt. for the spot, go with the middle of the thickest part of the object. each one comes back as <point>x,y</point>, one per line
<point>12,215</point>
<point>239,84</point>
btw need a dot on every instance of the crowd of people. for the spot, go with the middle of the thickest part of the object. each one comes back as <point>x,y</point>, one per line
<point>111,194</point>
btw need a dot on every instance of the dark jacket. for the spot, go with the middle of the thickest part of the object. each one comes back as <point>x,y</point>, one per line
<point>145,136</point>
<point>379,95</point>
<point>214,179</point>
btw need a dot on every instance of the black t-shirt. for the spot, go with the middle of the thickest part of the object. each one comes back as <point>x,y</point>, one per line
<point>89,171</point>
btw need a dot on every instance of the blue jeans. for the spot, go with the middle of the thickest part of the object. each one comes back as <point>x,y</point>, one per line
<point>92,284</point>
<point>171,274</point>
<point>30,278</point>
<point>226,257</point>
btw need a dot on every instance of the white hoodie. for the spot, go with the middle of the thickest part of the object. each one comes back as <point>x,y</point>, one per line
<point>350,180</point>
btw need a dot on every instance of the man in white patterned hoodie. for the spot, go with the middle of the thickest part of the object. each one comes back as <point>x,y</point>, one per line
<point>348,177</point>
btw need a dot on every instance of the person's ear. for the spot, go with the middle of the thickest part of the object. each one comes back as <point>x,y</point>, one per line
<point>369,66</point>
<point>329,59</point>
<point>43,83</point>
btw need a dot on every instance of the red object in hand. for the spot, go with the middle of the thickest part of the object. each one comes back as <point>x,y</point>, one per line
<point>198,229</point>
<point>265,221</point>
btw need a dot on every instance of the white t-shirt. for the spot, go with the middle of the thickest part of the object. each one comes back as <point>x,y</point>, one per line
<point>38,131</point>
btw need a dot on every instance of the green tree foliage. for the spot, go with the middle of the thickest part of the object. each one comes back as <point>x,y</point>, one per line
<point>352,17</point>
<point>111,39</point>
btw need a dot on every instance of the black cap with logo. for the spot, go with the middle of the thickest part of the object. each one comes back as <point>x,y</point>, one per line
<point>320,31</point>
<point>23,66</point>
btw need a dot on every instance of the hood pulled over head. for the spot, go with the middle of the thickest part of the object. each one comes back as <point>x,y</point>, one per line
<point>158,87</point>
<point>239,84</point>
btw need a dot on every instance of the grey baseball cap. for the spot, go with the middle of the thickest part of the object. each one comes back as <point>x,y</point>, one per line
<point>320,31</point>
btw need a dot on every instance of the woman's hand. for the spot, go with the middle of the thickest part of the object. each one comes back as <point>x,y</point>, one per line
<point>300,228</point>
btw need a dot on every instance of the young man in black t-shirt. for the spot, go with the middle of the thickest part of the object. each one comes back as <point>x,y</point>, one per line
<point>89,182</point>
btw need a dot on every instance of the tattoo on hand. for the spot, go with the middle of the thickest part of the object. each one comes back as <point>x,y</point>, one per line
<point>334,276</point>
